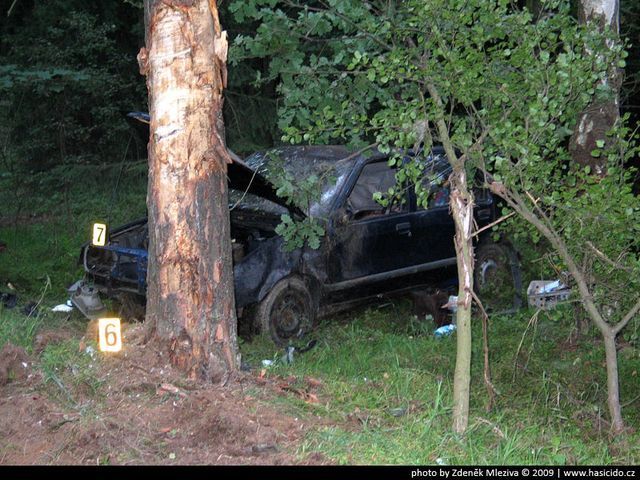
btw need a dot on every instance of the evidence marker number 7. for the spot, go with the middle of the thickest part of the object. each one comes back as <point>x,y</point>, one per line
<point>99,237</point>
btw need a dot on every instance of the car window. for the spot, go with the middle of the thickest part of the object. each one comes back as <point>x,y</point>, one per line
<point>434,191</point>
<point>375,177</point>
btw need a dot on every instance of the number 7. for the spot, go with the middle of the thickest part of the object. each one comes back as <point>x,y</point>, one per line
<point>99,234</point>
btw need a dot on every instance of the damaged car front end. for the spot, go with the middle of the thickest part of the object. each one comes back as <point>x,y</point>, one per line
<point>118,269</point>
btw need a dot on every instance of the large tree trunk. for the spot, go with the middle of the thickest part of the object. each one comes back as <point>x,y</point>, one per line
<point>190,297</point>
<point>602,114</point>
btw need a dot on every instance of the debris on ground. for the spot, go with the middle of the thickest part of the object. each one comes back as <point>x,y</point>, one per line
<point>86,299</point>
<point>546,294</point>
<point>444,331</point>
<point>169,388</point>
<point>14,363</point>
<point>288,357</point>
<point>304,389</point>
<point>398,412</point>
<point>9,300</point>
<point>429,305</point>
<point>30,309</point>
<point>48,337</point>
<point>63,307</point>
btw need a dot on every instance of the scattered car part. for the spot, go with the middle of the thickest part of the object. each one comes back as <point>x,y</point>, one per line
<point>86,299</point>
<point>9,300</point>
<point>30,309</point>
<point>63,307</point>
<point>546,294</point>
<point>444,331</point>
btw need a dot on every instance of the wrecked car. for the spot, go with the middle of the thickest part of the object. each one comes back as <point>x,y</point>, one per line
<point>367,251</point>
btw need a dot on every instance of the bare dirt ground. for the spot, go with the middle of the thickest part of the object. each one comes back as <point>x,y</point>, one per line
<point>143,412</point>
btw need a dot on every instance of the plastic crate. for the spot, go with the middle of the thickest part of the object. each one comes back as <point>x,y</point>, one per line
<point>542,294</point>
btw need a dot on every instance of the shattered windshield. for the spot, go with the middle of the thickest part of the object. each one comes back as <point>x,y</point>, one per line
<point>288,167</point>
<point>243,199</point>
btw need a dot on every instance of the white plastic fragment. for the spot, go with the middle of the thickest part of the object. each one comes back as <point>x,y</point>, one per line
<point>63,307</point>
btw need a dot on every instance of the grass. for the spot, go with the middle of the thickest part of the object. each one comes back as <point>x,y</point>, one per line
<point>18,329</point>
<point>43,231</point>
<point>372,365</point>
<point>68,370</point>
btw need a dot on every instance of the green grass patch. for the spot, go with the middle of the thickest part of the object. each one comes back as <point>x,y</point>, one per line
<point>69,371</point>
<point>388,391</point>
<point>18,329</point>
<point>386,380</point>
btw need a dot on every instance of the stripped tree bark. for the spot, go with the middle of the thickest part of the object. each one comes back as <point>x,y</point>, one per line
<point>602,114</point>
<point>190,297</point>
<point>461,203</point>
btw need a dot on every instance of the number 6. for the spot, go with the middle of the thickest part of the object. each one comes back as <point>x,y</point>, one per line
<point>109,334</point>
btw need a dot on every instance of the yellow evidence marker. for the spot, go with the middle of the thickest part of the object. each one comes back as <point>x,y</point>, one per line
<point>99,238</point>
<point>110,338</point>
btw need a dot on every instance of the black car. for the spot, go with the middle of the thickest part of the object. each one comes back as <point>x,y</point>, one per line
<point>368,250</point>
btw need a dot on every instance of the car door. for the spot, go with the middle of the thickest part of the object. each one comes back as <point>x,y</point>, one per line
<point>368,239</point>
<point>432,227</point>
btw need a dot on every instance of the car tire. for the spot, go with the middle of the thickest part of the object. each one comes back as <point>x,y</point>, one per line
<point>497,277</point>
<point>287,312</point>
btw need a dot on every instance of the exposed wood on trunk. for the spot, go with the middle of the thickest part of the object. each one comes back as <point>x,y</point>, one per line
<point>461,203</point>
<point>190,297</point>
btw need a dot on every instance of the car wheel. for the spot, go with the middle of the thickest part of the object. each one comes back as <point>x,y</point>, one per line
<point>287,312</point>
<point>497,277</point>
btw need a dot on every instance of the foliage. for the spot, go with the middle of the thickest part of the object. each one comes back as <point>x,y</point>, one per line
<point>303,192</point>
<point>503,88</point>
<point>630,31</point>
<point>17,328</point>
<point>358,72</point>
<point>66,82</point>
<point>595,216</point>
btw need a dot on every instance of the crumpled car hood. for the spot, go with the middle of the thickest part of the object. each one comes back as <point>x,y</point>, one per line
<point>241,176</point>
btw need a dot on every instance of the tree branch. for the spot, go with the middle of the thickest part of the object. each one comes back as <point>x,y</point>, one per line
<point>493,224</point>
<point>607,259</point>
<point>627,318</point>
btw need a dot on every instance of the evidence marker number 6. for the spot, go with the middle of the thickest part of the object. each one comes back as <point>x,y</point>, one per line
<point>109,335</point>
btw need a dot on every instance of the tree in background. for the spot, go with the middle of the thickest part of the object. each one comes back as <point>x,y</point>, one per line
<point>499,88</point>
<point>603,112</point>
<point>67,75</point>
<point>190,297</point>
